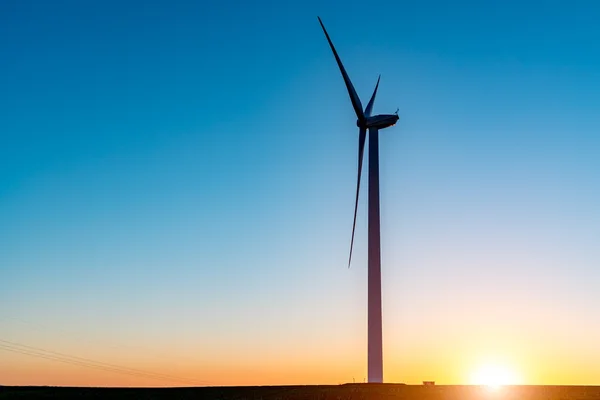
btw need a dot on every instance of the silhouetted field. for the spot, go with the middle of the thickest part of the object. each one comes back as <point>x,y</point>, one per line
<point>342,392</point>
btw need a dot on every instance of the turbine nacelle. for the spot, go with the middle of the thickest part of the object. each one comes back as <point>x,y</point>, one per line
<point>379,121</point>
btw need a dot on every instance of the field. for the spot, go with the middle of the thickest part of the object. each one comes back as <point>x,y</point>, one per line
<point>341,392</point>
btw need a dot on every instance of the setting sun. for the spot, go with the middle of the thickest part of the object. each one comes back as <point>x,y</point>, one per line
<point>493,375</point>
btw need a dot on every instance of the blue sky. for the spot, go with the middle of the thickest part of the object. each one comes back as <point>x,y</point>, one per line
<point>182,174</point>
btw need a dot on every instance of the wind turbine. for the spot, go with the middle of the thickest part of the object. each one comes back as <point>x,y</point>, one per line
<point>373,123</point>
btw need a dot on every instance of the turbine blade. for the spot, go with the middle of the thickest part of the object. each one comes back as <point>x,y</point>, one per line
<point>369,108</point>
<point>362,135</point>
<point>353,96</point>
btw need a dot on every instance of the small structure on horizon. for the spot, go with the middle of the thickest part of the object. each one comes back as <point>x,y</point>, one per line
<point>428,383</point>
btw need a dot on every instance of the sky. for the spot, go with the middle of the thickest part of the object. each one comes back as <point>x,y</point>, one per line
<point>177,184</point>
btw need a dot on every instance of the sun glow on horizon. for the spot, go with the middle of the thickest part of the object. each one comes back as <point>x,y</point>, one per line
<point>494,376</point>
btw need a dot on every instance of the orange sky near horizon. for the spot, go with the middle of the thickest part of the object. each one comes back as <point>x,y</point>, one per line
<point>453,363</point>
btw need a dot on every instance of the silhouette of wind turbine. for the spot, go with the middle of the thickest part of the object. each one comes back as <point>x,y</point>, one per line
<point>373,124</point>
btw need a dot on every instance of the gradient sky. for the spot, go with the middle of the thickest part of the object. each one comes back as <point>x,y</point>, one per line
<point>177,185</point>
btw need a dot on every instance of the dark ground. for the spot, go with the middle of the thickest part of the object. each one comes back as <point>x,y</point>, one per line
<point>350,391</point>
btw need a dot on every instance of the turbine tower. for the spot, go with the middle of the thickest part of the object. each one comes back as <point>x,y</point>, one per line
<point>373,124</point>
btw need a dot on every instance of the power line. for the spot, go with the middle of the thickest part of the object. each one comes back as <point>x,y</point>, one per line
<point>47,357</point>
<point>93,364</point>
<point>78,336</point>
<point>86,362</point>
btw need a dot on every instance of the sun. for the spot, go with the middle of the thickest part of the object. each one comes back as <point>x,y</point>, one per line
<point>494,376</point>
